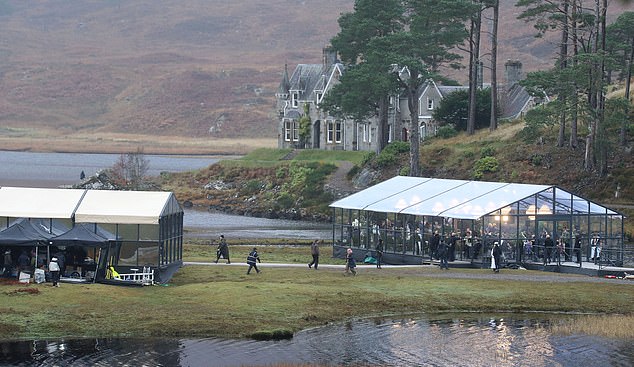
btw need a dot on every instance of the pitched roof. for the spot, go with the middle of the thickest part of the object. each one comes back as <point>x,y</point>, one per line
<point>462,199</point>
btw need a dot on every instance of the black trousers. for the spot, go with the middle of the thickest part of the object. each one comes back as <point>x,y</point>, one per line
<point>315,261</point>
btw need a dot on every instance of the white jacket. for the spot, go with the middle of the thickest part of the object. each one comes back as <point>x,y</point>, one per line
<point>53,266</point>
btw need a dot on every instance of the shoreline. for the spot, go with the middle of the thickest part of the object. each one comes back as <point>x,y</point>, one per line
<point>129,143</point>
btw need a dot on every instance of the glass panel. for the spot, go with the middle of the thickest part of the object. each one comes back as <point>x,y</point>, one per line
<point>128,232</point>
<point>148,232</point>
<point>128,254</point>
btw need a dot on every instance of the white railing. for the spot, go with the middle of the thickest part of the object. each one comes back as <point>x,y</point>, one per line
<point>146,277</point>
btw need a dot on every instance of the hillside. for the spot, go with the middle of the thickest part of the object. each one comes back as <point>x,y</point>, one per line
<point>267,184</point>
<point>194,68</point>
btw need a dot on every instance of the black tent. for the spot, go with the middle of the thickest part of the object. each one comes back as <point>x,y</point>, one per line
<point>80,235</point>
<point>22,233</point>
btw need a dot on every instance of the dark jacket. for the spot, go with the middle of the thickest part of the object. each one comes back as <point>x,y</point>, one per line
<point>253,257</point>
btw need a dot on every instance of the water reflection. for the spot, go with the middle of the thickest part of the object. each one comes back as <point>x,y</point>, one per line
<point>455,341</point>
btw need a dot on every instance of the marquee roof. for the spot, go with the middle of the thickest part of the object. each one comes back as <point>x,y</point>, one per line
<point>125,207</point>
<point>463,199</point>
<point>88,206</point>
<point>26,202</point>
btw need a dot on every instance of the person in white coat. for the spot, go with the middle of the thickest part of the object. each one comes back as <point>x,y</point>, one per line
<point>53,268</point>
<point>496,255</point>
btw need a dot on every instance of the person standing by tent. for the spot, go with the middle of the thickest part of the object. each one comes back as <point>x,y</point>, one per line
<point>53,268</point>
<point>223,250</point>
<point>379,253</point>
<point>252,261</point>
<point>350,263</point>
<point>314,251</point>
<point>443,254</point>
<point>8,263</point>
<point>549,246</point>
<point>24,261</point>
<point>496,257</point>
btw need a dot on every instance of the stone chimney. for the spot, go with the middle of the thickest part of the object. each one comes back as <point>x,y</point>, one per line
<point>329,57</point>
<point>512,72</point>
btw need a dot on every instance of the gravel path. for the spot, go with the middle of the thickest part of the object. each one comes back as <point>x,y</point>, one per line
<point>432,271</point>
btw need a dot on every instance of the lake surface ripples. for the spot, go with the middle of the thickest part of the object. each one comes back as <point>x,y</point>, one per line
<point>451,341</point>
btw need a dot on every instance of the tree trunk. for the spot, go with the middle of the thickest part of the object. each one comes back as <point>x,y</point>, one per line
<point>383,133</point>
<point>628,80</point>
<point>494,60</point>
<point>575,104</point>
<point>414,136</point>
<point>563,64</point>
<point>473,82</point>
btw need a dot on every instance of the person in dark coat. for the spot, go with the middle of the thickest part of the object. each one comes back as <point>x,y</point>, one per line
<point>577,248</point>
<point>252,261</point>
<point>452,247</point>
<point>379,253</point>
<point>433,246</point>
<point>443,254</point>
<point>351,264</point>
<point>549,246</point>
<point>223,250</point>
<point>314,252</point>
<point>24,261</point>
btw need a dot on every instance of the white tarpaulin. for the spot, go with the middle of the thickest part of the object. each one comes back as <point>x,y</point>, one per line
<point>456,198</point>
<point>123,207</point>
<point>27,202</point>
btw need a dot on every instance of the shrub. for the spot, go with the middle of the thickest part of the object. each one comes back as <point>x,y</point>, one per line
<point>446,132</point>
<point>252,187</point>
<point>285,200</point>
<point>487,152</point>
<point>484,165</point>
<point>537,159</point>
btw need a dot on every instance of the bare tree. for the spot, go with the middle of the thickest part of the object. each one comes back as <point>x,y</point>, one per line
<point>130,170</point>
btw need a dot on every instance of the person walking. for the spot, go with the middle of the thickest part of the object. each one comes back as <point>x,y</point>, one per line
<point>252,261</point>
<point>53,268</point>
<point>350,263</point>
<point>223,250</point>
<point>379,253</point>
<point>314,251</point>
<point>496,257</point>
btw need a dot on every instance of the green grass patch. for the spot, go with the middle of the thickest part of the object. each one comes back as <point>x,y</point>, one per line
<point>222,301</point>
<point>330,156</point>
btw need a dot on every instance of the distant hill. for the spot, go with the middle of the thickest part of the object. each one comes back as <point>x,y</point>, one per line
<point>174,67</point>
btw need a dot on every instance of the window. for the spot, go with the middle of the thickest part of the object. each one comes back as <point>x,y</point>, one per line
<point>430,103</point>
<point>320,96</point>
<point>287,130</point>
<point>331,132</point>
<point>334,132</point>
<point>295,130</point>
<point>291,130</point>
<point>338,132</point>
<point>295,99</point>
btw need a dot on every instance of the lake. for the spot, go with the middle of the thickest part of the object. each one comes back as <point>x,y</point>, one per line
<point>50,170</point>
<point>444,340</point>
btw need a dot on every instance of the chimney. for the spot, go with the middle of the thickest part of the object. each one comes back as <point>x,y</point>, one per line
<point>329,57</point>
<point>512,72</point>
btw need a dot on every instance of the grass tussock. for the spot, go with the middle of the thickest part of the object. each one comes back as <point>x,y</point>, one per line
<point>608,326</point>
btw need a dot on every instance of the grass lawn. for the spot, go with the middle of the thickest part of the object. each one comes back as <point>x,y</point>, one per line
<point>222,301</point>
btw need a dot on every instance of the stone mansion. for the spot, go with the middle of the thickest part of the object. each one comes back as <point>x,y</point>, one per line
<point>309,83</point>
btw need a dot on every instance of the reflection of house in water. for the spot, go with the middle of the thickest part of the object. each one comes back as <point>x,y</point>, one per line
<point>129,230</point>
